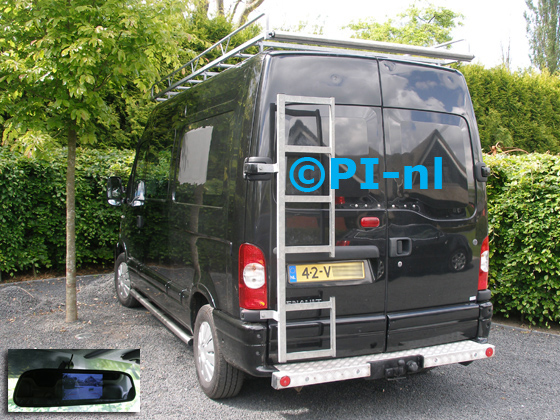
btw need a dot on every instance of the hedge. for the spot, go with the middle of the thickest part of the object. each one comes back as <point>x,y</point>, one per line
<point>524,209</point>
<point>523,202</point>
<point>515,109</point>
<point>33,208</point>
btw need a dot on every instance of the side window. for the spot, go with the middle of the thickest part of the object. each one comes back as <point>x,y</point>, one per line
<point>441,144</point>
<point>151,179</point>
<point>203,161</point>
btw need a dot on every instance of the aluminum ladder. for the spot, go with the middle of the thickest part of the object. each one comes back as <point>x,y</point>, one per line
<point>282,249</point>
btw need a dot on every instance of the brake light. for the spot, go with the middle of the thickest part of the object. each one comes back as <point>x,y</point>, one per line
<point>369,222</point>
<point>340,200</point>
<point>252,278</point>
<point>484,265</point>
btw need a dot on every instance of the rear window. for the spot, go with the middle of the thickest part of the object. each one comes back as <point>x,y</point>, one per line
<point>349,80</point>
<point>421,87</point>
<point>418,138</point>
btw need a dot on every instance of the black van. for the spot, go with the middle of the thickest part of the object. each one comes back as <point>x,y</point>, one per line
<point>312,215</point>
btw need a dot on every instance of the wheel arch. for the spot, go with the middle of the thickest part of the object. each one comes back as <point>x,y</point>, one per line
<point>198,300</point>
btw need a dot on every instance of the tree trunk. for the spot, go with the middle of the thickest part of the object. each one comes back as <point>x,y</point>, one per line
<point>71,306</point>
<point>249,7</point>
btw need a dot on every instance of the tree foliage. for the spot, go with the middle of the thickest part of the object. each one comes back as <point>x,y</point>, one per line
<point>235,12</point>
<point>64,64</point>
<point>60,64</point>
<point>425,25</point>
<point>543,30</point>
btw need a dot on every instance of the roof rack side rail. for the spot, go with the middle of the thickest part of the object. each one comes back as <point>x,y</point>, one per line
<point>193,64</point>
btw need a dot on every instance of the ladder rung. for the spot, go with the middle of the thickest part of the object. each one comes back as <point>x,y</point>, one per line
<point>310,354</point>
<point>308,149</point>
<point>308,199</point>
<point>308,249</point>
<point>308,306</point>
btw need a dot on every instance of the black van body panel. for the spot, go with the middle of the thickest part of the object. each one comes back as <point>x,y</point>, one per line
<point>181,242</point>
<point>408,330</point>
<point>183,229</point>
<point>244,344</point>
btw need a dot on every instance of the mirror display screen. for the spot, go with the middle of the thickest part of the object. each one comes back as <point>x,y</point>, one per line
<point>82,386</point>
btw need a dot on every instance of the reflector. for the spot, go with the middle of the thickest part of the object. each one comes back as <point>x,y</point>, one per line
<point>285,381</point>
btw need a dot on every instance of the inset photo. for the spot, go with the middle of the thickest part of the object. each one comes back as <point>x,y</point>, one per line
<point>74,380</point>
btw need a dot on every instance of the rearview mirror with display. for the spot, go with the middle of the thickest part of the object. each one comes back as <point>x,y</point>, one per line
<point>64,387</point>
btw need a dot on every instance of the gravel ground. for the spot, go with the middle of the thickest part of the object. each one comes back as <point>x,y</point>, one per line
<point>521,382</point>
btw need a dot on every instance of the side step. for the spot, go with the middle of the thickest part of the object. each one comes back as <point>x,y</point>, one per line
<point>295,375</point>
<point>165,320</point>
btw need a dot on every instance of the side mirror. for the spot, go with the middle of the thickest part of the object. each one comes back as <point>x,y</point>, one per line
<point>66,387</point>
<point>115,191</point>
<point>482,172</point>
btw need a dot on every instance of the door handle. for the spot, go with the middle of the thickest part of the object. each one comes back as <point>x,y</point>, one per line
<point>400,247</point>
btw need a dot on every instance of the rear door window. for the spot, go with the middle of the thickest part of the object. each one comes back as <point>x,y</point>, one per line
<point>420,138</point>
<point>415,86</point>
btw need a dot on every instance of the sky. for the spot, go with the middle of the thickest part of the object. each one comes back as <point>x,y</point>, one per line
<point>489,26</point>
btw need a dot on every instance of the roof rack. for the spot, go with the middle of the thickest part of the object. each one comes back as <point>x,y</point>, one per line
<point>193,73</point>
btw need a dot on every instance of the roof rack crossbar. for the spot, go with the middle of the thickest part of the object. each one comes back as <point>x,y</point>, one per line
<point>190,72</point>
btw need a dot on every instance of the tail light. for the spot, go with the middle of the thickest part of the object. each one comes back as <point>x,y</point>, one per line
<point>252,278</point>
<point>484,265</point>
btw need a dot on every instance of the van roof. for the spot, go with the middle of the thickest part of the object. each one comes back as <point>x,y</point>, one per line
<point>177,81</point>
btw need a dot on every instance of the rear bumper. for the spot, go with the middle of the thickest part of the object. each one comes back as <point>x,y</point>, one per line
<point>378,365</point>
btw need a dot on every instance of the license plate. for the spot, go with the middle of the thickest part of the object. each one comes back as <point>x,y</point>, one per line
<point>306,273</point>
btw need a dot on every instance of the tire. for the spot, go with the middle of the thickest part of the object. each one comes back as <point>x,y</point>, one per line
<point>217,378</point>
<point>458,260</point>
<point>123,284</point>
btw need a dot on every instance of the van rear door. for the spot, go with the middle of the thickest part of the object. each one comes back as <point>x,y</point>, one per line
<point>361,221</point>
<point>433,226</point>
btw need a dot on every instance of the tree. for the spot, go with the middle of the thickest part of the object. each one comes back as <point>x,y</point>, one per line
<point>424,26</point>
<point>61,61</point>
<point>237,11</point>
<point>543,31</point>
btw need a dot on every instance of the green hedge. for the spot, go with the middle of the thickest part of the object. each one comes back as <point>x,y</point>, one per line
<point>524,210</point>
<point>523,201</point>
<point>515,109</point>
<point>33,208</point>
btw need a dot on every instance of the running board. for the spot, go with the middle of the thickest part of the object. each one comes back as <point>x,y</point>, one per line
<point>295,375</point>
<point>165,320</point>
